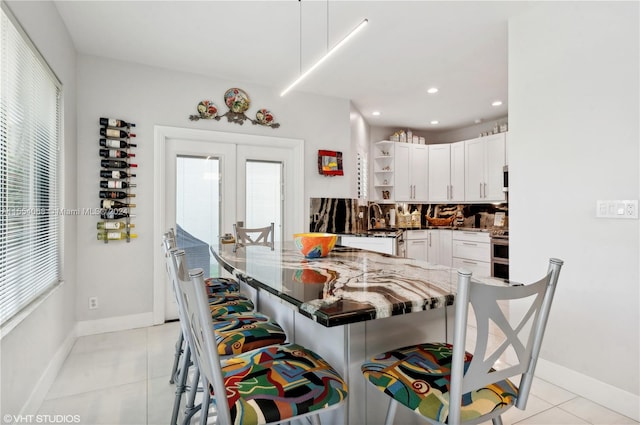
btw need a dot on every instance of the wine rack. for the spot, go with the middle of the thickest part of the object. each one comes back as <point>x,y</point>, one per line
<point>116,184</point>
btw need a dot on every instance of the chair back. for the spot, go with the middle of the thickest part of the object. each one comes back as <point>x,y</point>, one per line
<point>168,241</point>
<point>254,236</point>
<point>201,335</point>
<point>177,267</point>
<point>524,337</point>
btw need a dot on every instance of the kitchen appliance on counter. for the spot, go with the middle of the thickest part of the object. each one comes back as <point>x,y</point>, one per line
<point>500,253</point>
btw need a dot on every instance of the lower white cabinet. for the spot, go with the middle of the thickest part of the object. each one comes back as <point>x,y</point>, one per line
<point>416,242</point>
<point>445,247</point>
<point>472,251</point>
<point>432,245</point>
<point>377,244</point>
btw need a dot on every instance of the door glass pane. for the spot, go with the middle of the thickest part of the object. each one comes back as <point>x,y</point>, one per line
<point>264,195</point>
<point>198,209</point>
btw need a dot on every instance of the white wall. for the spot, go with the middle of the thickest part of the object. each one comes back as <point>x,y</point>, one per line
<point>574,138</point>
<point>33,351</point>
<point>121,274</point>
<point>360,142</point>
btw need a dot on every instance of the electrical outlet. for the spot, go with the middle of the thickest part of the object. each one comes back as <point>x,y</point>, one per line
<point>93,303</point>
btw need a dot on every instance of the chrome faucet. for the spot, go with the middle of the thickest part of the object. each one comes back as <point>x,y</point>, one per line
<point>371,204</point>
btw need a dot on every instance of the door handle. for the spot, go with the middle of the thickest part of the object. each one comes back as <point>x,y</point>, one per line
<point>485,190</point>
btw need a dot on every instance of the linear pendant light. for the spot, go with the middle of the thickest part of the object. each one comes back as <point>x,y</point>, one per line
<point>342,42</point>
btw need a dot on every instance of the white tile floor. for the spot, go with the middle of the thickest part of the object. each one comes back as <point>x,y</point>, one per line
<point>123,378</point>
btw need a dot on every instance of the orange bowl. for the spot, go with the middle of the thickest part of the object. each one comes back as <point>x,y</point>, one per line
<point>315,245</point>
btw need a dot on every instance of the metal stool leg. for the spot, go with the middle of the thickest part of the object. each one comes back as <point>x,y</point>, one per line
<point>190,408</point>
<point>176,360</point>
<point>182,373</point>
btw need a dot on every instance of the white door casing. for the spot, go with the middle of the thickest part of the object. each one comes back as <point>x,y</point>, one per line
<point>169,141</point>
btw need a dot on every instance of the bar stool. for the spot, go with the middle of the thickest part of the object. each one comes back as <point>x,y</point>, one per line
<point>235,333</point>
<point>443,383</point>
<point>267,385</point>
<point>224,294</point>
<point>246,236</point>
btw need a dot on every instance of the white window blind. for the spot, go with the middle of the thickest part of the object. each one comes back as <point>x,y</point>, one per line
<point>30,222</point>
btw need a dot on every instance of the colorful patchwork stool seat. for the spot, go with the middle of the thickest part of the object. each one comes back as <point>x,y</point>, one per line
<point>445,384</point>
<point>267,385</point>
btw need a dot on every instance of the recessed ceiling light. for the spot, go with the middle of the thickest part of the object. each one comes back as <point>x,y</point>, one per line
<point>478,121</point>
<point>497,103</point>
<point>432,90</point>
<point>375,113</point>
<point>434,122</point>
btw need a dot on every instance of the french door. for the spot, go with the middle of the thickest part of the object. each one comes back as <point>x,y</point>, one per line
<point>211,184</point>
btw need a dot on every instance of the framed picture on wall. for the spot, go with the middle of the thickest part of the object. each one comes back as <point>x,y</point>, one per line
<point>330,163</point>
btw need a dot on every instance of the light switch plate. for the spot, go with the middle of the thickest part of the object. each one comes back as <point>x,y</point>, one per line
<point>617,209</point>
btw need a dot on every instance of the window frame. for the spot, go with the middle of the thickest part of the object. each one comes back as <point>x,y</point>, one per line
<point>40,213</point>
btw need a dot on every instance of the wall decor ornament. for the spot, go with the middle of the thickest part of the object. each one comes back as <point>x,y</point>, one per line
<point>330,163</point>
<point>238,102</point>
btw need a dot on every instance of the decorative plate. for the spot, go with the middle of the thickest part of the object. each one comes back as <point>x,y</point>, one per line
<point>237,100</point>
<point>207,109</point>
<point>264,117</point>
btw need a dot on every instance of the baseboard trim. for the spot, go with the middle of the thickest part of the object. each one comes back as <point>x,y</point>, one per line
<point>607,395</point>
<point>46,380</point>
<point>114,324</point>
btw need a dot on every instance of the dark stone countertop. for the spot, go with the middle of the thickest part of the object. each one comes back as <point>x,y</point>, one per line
<point>349,285</point>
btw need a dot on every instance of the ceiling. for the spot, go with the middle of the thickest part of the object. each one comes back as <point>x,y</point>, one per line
<point>459,47</point>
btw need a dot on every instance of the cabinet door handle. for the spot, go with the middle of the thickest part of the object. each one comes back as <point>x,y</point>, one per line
<point>469,244</point>
<point>481,190</point>
<point>469,262</point>
<point>485,190</point>
<point>451,191</point>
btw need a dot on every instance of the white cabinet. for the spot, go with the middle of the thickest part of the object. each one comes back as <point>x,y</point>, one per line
<point>432,245</point>
<point>446,172</point>
<point>383,171</point>
<point>416,242</point>
<point>411,163</point>
<point>472,251</point>
<point>377,244</point>
<point>484,161</point>
<point>444,247</point>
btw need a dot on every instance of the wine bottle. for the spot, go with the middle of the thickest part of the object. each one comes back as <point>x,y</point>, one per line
<point>114,163</point>
<point>111,143</point>
<point>115,236</point>
<point>115,133</point>
<point>115,194</point>
<point>114,214</point>
<point>108,203</point>
<point>113,225</point>
<point>115,153</point>
<point>115,184</point>
<point>112,122</point>
<point>107,174</point>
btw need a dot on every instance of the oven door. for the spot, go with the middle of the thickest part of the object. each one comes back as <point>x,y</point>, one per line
<point>500,257</point>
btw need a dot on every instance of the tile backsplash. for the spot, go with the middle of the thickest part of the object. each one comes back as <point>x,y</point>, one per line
<point>347,216</point>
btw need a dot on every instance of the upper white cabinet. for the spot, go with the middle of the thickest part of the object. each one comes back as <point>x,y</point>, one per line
<point>383,171</point>
<point>411,162</point>
<point>484,161</point>
<point>446,172</point>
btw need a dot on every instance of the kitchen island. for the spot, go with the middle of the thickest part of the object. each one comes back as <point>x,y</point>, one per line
<point>347,306</point>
